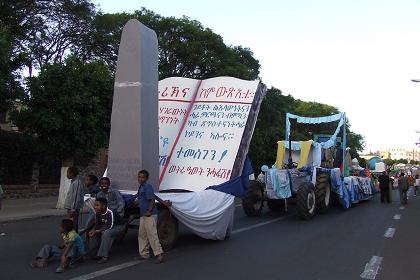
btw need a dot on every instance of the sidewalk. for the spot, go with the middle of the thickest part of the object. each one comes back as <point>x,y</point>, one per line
<point>30,208</point>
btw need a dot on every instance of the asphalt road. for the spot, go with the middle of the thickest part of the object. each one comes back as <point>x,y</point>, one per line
<point>339,245</point>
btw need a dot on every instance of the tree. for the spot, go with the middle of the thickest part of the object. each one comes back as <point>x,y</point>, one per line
<point>34,33</point>
<point>186,47</point>
<point>69,108</point>
<point>270,127</point>
<point>10,87</point>
<point>389,162</point>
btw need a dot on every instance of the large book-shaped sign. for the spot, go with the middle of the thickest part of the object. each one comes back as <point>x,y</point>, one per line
<point>205,128</point>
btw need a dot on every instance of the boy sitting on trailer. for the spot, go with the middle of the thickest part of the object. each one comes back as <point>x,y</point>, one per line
<point>107,227</point>
<point>73,248</point>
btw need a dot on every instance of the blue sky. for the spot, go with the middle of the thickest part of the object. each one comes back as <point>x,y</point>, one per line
<point>357,55</point>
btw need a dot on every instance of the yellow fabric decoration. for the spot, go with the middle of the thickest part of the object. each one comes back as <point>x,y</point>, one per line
<point>305,147</point>
<point>281,149</point>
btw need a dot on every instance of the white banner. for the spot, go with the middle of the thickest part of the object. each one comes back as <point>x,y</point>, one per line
<point>200,128</point>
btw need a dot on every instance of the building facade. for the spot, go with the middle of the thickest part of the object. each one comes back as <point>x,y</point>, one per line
<point>402,153</point>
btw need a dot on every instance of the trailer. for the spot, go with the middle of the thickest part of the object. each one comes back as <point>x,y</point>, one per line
<point>303,176</point>
<point>191,135</point>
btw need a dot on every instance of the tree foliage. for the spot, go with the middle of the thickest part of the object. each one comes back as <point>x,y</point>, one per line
<point>186,47</point>
<point>69,108</point>
<point>34,33</point>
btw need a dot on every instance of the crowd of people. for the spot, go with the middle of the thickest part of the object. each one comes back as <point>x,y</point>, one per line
<point>103,225</point>
<point>402,181</point>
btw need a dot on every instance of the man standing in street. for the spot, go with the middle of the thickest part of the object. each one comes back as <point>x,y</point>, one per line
<point>148,236</point>
<point>384,187</point>
<point>74,198</point>
<point>403,188</point>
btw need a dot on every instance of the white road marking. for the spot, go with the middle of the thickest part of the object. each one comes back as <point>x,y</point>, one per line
<point>239,230</point>
<point>372,268</point>
<point>402,207</point>
<point>397,217</point>
<point>389,233</point>
<point>133,263</point>
<point>107,270</point>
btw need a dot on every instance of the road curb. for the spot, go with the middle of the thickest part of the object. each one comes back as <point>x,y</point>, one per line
<point>30,217</point>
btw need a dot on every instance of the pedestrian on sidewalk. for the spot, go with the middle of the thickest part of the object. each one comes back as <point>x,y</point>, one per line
<point>74,198</point>
<point>73,248</point>
<point>403,188</point>
<point>108,226</point>
<point>148,236</point>
<point>384,187</point>
<point>416,185</point>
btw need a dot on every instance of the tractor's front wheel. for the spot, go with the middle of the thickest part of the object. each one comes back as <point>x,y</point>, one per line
<point>306,201</point>
<point>322,193</point>
<point>253,201</point>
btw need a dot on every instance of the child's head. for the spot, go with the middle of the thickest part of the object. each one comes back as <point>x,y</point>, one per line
<point>142,177</point>
<point>104,184</point>
<point>72,172</point>
<point>101,204</point>
<point>66,225</point>
<point>91,180</point>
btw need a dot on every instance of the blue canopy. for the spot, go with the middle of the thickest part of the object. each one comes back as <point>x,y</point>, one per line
<point>341,117</point>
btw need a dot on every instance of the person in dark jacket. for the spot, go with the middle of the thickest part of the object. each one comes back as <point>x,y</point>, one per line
<point>403,188</point>
<point>338,158</point>
<point>384,187</point>
<point>91,184</point>
<point>107,227</point>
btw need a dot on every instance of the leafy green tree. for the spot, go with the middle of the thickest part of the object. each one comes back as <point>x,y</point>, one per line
<point>69,107</point>
<point>389,162</point>
<point>10,87</point>
<point>186,47</point>
<point>270,127</point>
<point>34,33</point>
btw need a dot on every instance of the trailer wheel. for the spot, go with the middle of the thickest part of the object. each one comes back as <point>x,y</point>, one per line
<point>276,205</point>
<point>322,193</point>
<point>167,228</point>
<point>253,201</point>
<point>306,201</point>
<point>120,238</point>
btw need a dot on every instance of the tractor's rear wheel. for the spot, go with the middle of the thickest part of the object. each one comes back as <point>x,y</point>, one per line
<point>335,199</point>
<point>276,205</point>
<point>167,228</point>
<point>322,193</point>
<point>253,201</point>
<point>306,201</point>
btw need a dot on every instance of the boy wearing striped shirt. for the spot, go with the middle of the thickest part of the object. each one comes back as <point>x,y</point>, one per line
<point>107,227</point>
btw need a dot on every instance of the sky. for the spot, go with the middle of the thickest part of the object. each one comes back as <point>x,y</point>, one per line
<point>357,55</point>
